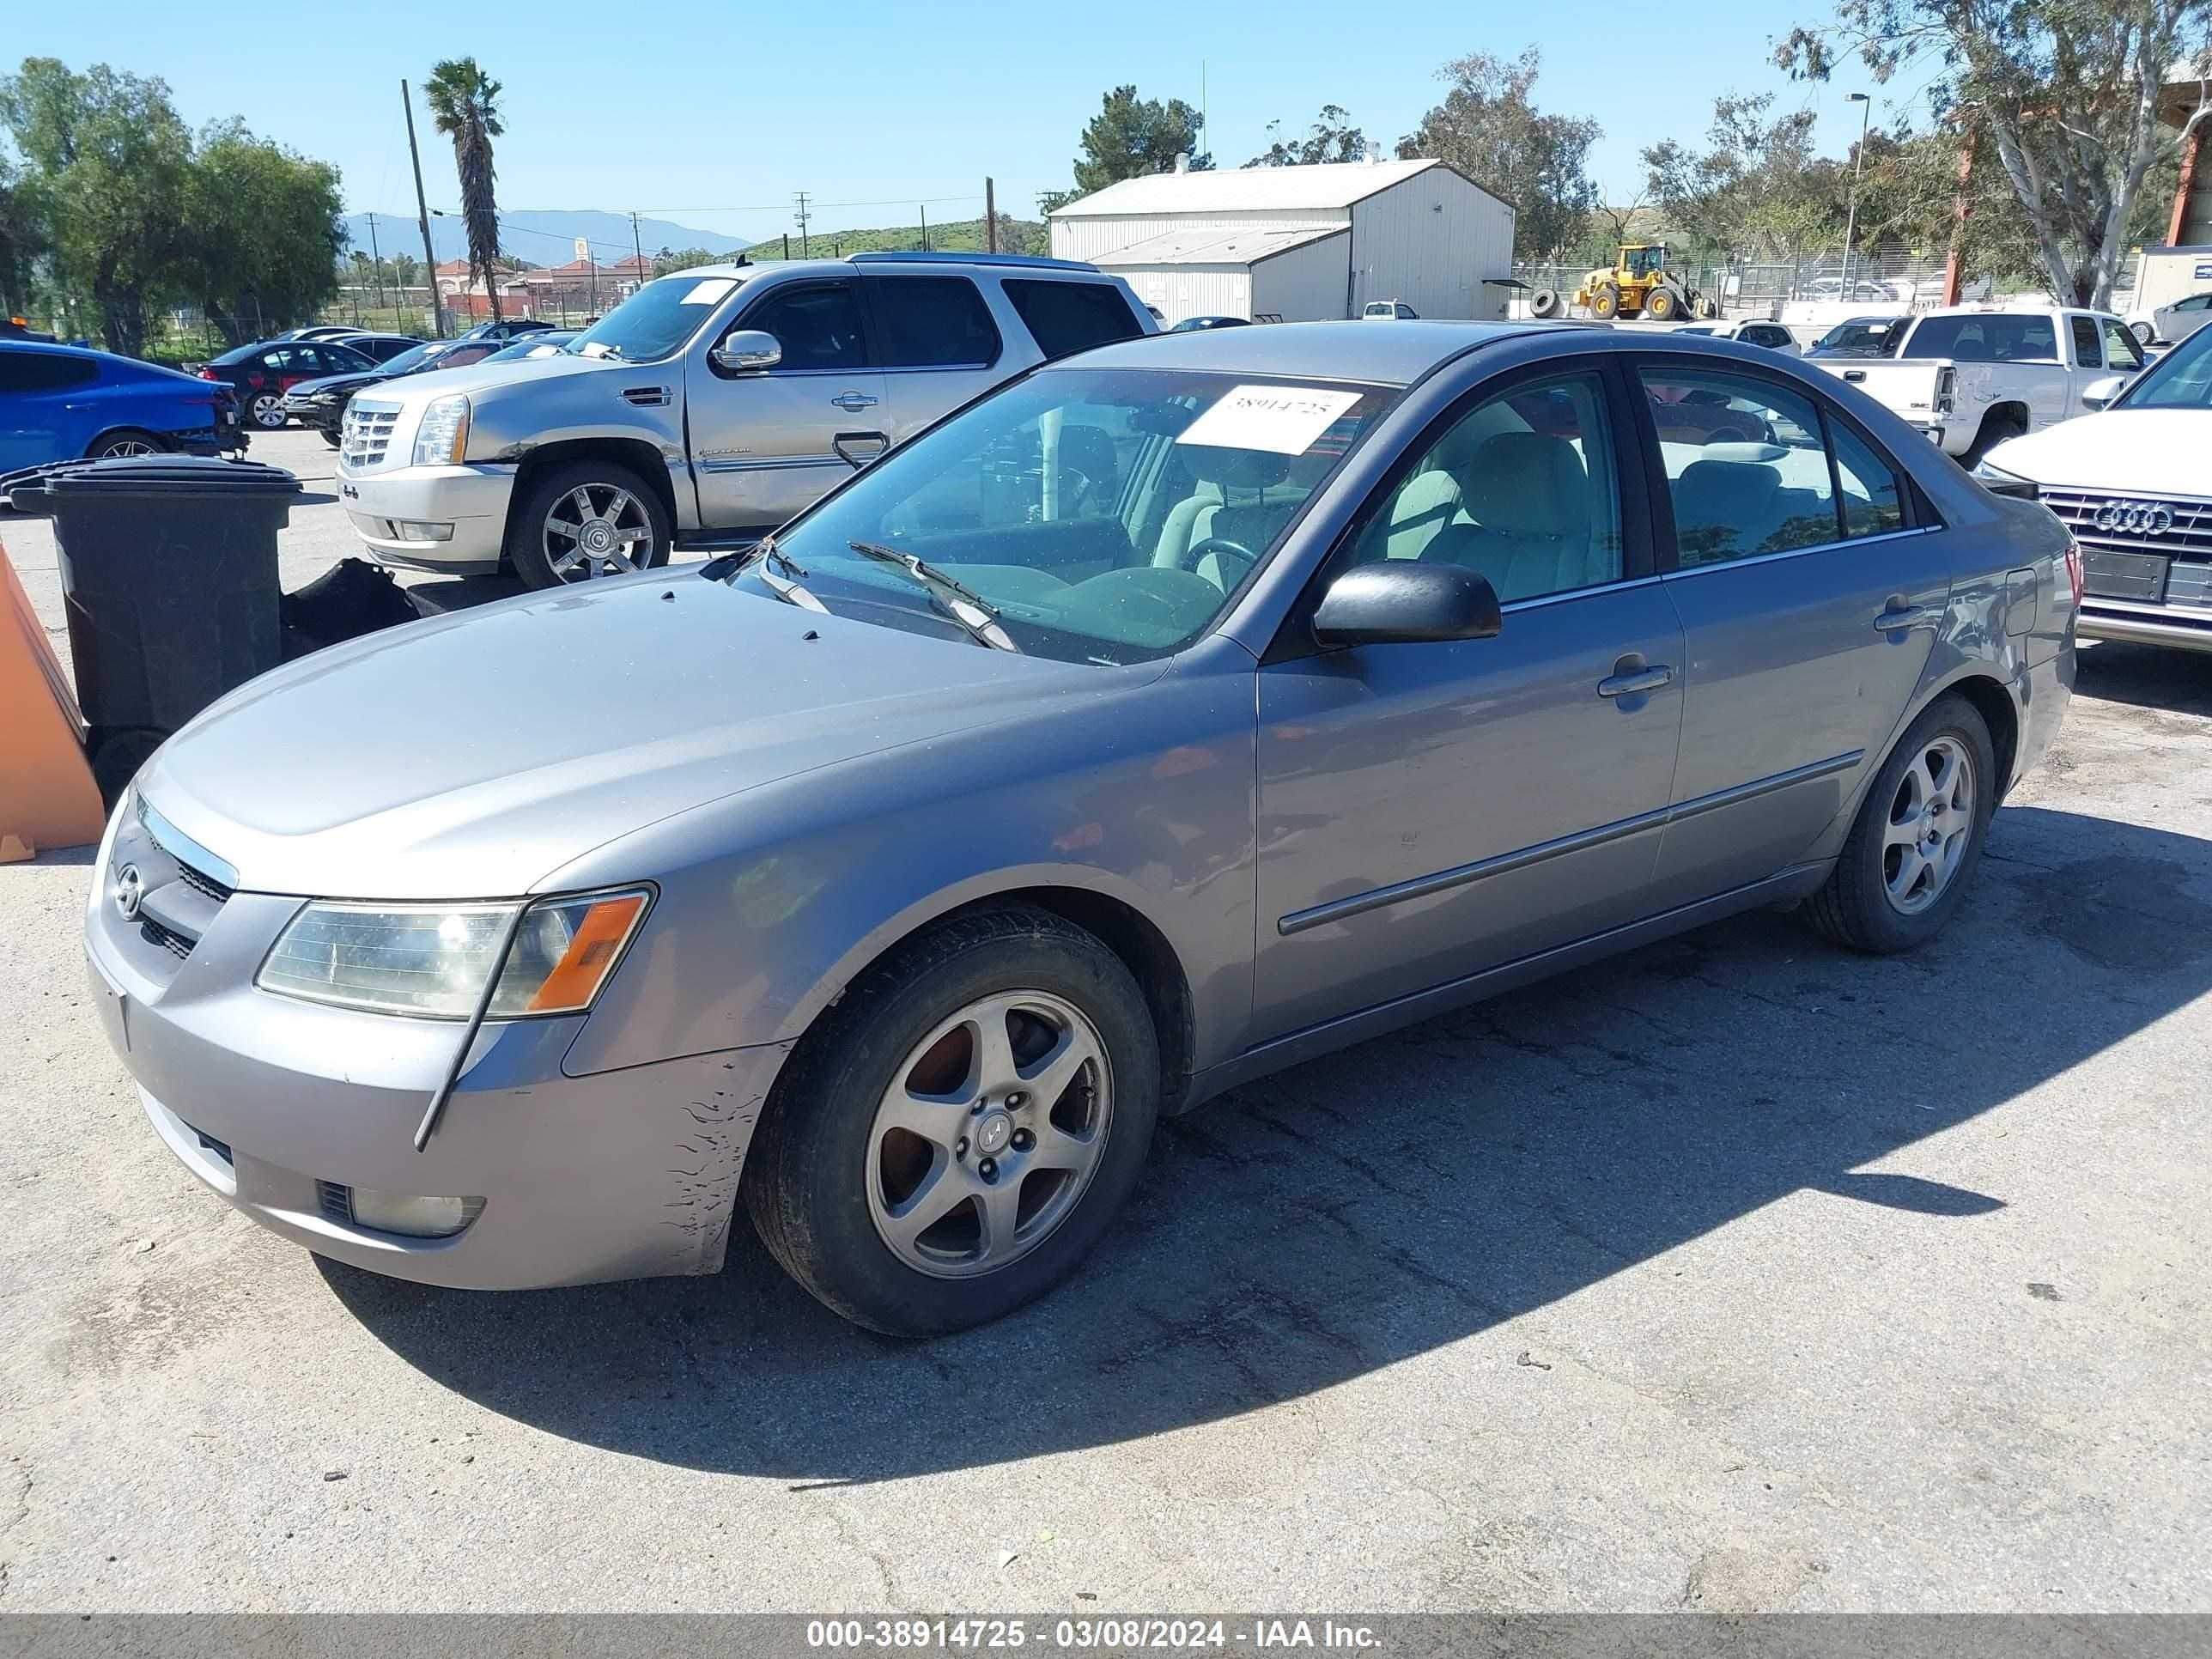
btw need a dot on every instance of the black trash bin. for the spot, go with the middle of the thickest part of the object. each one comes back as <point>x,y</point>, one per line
<point>168,566</point>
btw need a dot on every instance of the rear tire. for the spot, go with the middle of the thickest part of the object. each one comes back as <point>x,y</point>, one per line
<point>817,1182</point>
<point>1995,429</point>
<point>267,411</point>
<point>128,442</point>
<point>1874,899</point>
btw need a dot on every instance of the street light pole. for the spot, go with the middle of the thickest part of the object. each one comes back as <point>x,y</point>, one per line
<point>1858,166</point>
<point>423,207</point>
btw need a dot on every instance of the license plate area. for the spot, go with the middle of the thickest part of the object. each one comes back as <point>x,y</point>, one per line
<point>2113,575</point>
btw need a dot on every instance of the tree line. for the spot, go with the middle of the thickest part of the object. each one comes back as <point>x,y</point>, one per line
<point>2055,105</point>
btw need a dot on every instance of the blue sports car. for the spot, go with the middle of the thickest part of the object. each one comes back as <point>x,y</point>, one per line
<point>58,403</point>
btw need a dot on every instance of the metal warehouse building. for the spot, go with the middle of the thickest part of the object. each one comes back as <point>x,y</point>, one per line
<point>1299,243</point>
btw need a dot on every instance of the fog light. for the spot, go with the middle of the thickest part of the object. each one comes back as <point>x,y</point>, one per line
<point>417,530</point>
<point>414,1216</point>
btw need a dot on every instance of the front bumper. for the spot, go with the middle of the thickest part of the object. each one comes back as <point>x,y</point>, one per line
<point>283,1106</point>
<point>472,499</point>
<point>2146,624</point>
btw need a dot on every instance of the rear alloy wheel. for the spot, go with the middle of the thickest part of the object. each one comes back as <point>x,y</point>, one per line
<point>1917,837</point>
<point>267,411</point>
<point>117,445</point>
<point>956,1134</point>
<point>585,520</point>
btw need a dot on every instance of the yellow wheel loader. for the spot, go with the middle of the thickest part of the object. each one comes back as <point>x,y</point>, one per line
<point>1639,284</point>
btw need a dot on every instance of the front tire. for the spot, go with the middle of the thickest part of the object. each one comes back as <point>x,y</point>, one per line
<point>1606,303</point>
<point>267,411</point>
<point>954,1137</point>
<point>1913,848</point>
<point>584,519</point>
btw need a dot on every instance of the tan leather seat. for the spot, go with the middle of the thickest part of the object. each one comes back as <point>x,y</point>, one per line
<point>1527,510</point>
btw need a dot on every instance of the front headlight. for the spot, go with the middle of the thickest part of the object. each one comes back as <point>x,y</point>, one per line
<point>433,960</point>
<point>443,438</point>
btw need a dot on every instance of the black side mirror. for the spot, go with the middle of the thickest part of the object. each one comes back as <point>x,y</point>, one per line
<point>1398,601</point>
<point>2018,489</point>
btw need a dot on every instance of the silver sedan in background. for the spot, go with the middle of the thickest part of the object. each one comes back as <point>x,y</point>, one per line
<point>1183,710</point>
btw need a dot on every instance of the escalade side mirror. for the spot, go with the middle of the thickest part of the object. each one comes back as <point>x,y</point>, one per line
<point>747,351</point>
<point>1399,601</point>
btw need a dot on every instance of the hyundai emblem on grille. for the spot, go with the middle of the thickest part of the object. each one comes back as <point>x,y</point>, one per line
<point>2135,517</point>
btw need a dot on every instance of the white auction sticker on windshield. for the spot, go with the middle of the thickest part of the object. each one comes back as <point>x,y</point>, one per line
<point>709,292</point>
<point>1282,419</point>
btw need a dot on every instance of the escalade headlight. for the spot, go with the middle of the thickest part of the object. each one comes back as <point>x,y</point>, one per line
<point>443,438</point>
<point>433,960</point>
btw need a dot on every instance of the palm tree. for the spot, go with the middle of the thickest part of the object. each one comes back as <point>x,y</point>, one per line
<point>464,104</point>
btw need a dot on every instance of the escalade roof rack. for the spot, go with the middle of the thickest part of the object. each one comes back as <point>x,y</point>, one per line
<point>961,258</point>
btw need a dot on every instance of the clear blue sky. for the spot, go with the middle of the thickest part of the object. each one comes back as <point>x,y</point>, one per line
<point>713,114</point>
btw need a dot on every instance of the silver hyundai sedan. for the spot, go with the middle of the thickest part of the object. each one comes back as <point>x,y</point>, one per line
<point>1177,713</point>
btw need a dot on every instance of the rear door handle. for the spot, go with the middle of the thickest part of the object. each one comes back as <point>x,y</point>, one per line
<point>851,401</point>
<point>1898,617</point>
<point>1629,685</point>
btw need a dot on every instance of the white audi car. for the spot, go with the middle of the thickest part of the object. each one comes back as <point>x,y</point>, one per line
<point>2131,483</point>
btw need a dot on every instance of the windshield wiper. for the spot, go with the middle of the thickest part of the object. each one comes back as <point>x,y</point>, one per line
<point>786,585</point>
<point>951,598</point>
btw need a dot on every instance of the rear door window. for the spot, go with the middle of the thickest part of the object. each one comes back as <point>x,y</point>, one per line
<point>1747,466</point>
<point>1066,317</point>
<point>1867,487</point>
<point>41,371</point>
<point>931,322</point>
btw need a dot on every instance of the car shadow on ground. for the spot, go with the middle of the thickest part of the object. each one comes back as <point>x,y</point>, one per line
<point>1396,1197</point>
<point>2147,677</point>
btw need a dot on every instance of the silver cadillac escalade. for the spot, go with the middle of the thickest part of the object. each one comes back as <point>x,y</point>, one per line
<point>712,406</point>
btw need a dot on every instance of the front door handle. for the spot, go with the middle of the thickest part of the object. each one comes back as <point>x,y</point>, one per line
<point>1636,683</point>
<point>851,401</point>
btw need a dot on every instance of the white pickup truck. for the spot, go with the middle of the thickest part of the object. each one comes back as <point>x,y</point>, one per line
<point>1972,378</point>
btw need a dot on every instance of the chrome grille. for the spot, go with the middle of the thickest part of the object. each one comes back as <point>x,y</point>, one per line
<point>365,437</point>
<point>2189,533</point>
<point>200,882</point>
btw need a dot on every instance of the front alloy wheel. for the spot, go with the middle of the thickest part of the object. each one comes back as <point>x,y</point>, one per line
<point>597,530</point>
<point>988,1133</point>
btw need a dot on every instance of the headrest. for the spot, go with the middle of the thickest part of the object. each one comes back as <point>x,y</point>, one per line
<point>1235,469</point>
<point>1711,492</point>
<point>1087,450</point>
<point>1528,483</point>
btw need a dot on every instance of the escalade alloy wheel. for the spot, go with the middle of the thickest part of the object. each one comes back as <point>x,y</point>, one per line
<point>952,1137</point>
<point>585,520</point>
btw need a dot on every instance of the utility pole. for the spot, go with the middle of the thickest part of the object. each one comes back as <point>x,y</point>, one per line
<point>801,199</point>
<point>990,217</point>
<point>1858,166</point>
<point>375,263</point>
<point>637,247</point>
<point>423,207</point>
<point>925,228</point>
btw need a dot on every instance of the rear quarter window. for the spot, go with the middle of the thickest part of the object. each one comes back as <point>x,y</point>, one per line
<point>39,371</point>
<point>932,322</point>
<point>1066,317</point>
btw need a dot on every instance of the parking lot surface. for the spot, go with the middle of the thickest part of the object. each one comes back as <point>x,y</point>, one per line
<point>1737,1274</point>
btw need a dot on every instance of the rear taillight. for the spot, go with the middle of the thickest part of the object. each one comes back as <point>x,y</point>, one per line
<point>209,374</point>
<point>1946,386</point>
<point>2074,567</point>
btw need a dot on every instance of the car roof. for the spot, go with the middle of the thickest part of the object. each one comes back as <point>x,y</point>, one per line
<point>1331,351</point>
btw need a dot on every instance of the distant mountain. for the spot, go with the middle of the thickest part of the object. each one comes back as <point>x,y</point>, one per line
<point>543,237</point>
<point>954,235</point>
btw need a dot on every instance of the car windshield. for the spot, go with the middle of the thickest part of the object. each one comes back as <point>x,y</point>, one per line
<point>415,357</point>
<point>656,319</point>
<point>1853,337</point>
<point>2180,379</point>
<point>1099,514</point>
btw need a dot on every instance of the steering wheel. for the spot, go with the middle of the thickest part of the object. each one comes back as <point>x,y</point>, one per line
<point>1219,544</point>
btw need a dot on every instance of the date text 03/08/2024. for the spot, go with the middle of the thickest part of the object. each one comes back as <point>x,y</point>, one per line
<point>987,1635</point>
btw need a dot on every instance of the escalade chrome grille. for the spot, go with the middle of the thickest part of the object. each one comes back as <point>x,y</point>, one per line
<point>366,435</point>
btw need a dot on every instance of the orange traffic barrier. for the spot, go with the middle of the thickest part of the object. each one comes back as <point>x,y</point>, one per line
<point>47,798</point>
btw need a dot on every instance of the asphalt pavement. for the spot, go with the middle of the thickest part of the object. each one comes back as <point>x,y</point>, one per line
<point>1738,1273</point>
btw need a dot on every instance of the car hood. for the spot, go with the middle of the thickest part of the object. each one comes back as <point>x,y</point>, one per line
<point>2152,451</point>
<point>479,379</point>
<point>474,754</point>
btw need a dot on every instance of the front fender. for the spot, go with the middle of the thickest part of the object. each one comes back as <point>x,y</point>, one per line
<point>774,900</point>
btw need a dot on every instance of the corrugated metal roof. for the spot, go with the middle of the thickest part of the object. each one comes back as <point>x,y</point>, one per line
<point>1217,245</point>
<point>1322,186</point>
